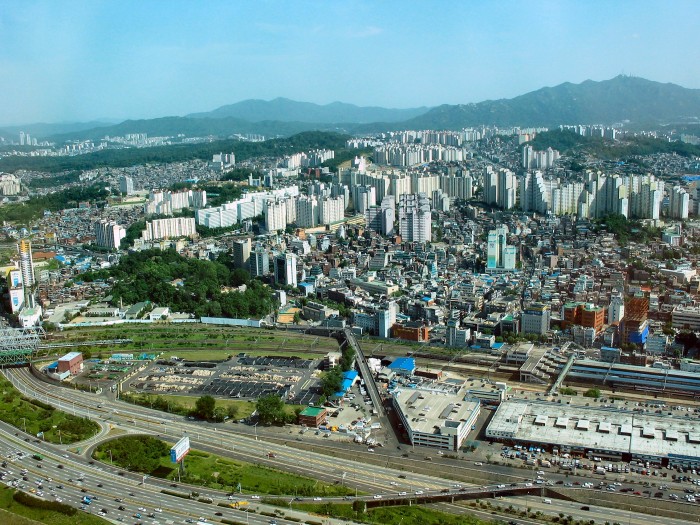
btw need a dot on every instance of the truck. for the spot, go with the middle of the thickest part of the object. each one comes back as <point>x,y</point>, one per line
<point>600,470</point>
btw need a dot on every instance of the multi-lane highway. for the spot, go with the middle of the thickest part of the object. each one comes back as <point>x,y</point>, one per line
<point>377,481</point>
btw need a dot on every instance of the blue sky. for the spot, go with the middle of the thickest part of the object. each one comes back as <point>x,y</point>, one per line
<point>81,60</point>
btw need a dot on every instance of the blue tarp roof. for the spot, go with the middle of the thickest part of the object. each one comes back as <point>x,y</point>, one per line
<point>348,379</point>
<point>403,363</point>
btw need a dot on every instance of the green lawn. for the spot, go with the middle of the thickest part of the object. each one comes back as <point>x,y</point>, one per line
<point>209,342</point>
<point>24,515</point>
<point>209,470</point>
<point>38,417</point>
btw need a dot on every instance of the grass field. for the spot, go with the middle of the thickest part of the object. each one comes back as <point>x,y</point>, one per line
<point>216,472</point>
<point>196,341</point>
<point>18,514</point>
<point>36,417</point>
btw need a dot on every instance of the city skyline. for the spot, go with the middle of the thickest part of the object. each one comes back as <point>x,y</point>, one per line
<point>79,61</point>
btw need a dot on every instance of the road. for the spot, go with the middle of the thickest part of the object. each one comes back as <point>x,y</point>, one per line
<point>374,479</point>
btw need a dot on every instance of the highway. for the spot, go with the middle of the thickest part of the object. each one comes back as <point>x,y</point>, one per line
<point>374,480</point>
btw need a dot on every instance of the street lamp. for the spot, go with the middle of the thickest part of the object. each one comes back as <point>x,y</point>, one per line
<point>59,437</point>
<point>24,420</point>
<point>110,456</point>
<point>255,427</point>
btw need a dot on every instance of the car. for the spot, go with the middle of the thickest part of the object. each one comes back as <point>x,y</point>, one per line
<point>478,463</point>
<point>370,449</point>
<point>99,485</point>
<point>393,483</point>
<point>255,497</point>
<point>585,507</point>
<point>272,522</point>
<point>402,494</point>
<point>158,510</point>
<point>377,496</point>
<point>418,492</point>
<point>218,514</point>
<point>104,510</point>
<point>189,520</point>
<point>318,499</point>
<point>122,507</point>
<point>118,500</point>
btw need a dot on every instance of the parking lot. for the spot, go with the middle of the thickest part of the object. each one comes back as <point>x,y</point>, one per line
<point>240,377</point>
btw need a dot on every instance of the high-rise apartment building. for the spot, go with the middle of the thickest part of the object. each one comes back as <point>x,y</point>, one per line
<point>307,212</point>
<point>331,210</point>
<point>126,185</point>
<point>275,215</point>
<point>679,203</point>
<point>169,228</point>
<point>415,218</point>
<point>108,234</point>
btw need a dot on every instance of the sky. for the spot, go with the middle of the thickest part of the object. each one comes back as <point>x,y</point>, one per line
<point>70,61</point>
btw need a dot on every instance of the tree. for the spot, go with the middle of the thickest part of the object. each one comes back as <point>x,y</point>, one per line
<point>232,411</point>
<point>204,407</point>
<point>592,392</point>
<point>331,381</point>
<point>270,410</point>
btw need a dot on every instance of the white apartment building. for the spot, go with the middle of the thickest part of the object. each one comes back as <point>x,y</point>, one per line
<point>307,212</point>
<point>169,228</point>
<point>331,210</point>
<point>415,218</point>
<point>275,215</point>
<point>108,234</point>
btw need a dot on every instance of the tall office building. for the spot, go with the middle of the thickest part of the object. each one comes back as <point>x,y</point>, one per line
<point>616,310</point>
<point>381,218</point>
<point>108,234</point>
<point>415,218</point>
<point>499,256</point>
<point>286,269</point>
<point>535,319</point>
<point>241,253</point>
<point>15,290</point>
<point>26,266</point>
<point>126,185</point>
<point>259,262</point>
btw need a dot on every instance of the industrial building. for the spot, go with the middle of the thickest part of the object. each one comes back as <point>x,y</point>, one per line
<point>610,433</point>
<point>312,416</point>
<point>71,362</point>
<point>437,415</point>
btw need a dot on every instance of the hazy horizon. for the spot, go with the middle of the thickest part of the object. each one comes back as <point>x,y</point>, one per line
<point>78,61</point>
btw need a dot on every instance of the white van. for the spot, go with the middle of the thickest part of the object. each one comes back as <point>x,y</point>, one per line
<point>547,501</point>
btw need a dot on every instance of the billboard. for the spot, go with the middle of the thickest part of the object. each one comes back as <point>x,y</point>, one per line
<point>180,449</point>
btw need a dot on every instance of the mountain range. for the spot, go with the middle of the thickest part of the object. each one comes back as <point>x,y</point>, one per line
<point>286,110</point>
<point>620,99</point>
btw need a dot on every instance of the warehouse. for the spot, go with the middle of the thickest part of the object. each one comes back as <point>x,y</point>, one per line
<point>436,415</point>
<point>591,430</point>
<point>71,363</point>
